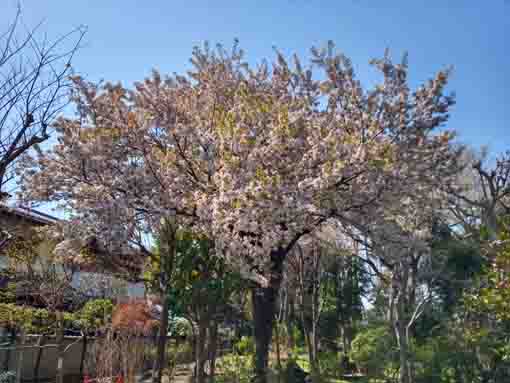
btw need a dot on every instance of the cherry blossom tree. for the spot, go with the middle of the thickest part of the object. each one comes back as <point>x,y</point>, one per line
<point>253,157</point>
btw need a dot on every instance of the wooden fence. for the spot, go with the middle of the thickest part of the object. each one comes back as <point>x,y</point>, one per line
<point>32,360</point>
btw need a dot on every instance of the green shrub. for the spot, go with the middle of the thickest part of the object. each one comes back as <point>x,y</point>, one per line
<point>235,369</point>
<point>30,319</point>
<point>455,357</point>
<point>180,327</point>
<point>95,314</point>
<point>294,373</point>
<point>245,346</point>
<point>371,350</point>
<point>330,366</point>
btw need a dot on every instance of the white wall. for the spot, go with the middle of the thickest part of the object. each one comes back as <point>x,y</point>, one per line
<point>106,285</point>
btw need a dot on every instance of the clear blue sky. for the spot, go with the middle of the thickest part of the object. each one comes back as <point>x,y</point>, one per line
<point>128,38</point>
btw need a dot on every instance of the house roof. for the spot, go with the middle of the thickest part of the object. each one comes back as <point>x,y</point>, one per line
<point>129,263</point>
<point>32,215</point>
<point>22,214</point>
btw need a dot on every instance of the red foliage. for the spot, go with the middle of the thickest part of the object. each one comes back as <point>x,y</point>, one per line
<point>134,317</point>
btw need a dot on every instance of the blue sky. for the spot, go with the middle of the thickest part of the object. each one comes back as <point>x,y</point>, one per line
<point>126,39</point>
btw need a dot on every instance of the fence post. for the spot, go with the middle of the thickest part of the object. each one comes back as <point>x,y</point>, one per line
<point>19,361</point>
<point>40,344</point>
<point>83,354</point>
<point>10,336</point>
<point>60,348</point>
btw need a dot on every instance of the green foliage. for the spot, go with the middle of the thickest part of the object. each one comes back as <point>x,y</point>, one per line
<point>300,356</point>
<point>297,335</point>
<point>329,363</point>
<point>180,327</point>
<point>8,290</point>
<point>433,362</point>
<point>235,368</point>
<point>29,319</point>
<point>328,324</point>
<point>294,372</point>
<point>95,314</point>
<point>462,261</point>
<point>245,346</point>
<point>492,295</point>
<point>345,283</point>
<point>372,349</point>
<point>462,354</point>
<point>198,275</point>
<point>201,272</point>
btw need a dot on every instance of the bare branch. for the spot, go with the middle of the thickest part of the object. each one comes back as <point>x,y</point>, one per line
<point>34,81</point>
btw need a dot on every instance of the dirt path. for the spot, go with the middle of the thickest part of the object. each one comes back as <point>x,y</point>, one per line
<point>183,373</point>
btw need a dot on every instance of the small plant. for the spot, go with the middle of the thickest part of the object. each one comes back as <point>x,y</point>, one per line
<point>297,336</point>
<point>245,346</point>
<point>235,369</point>
<point>180,327</point>
<point>330,364</point>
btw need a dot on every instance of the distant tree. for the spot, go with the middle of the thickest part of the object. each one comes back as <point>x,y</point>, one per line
<point>480,194</point>
<point>398,248</point>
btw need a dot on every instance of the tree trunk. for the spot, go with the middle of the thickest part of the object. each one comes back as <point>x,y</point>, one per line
<point>315,351</point>
<point>289,320</point>
<point>314,341</point>
<point>19,362</point>
<point>346,330</point>
<point>213,350</point>
<point>490,221</point>
<point>40,343</point>
<point>278,354</point>
<point>399,323</point>
<point>159,363</point>
<point>264,308</point>
<point>311,346</point>
<point>399,317</point>
<point>309,326</point>
<point>263,312</point>
<point>403,345</point>
<point>200,352</point>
